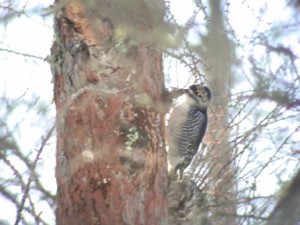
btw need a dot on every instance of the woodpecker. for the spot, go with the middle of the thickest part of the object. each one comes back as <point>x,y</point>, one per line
<point>186,127</point>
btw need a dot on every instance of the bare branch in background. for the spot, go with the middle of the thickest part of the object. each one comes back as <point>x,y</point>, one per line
<point>31,177</point>
<point>22,54</point>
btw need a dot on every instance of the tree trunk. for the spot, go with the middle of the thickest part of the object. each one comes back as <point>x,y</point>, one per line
<point>219,55</point>
<point>287,210</point>
<point>111,160</point>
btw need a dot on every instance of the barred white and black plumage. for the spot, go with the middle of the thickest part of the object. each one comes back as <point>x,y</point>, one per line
<point>186,127</point>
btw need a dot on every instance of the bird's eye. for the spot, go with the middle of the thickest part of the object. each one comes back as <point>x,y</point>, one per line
<point>199,93</point>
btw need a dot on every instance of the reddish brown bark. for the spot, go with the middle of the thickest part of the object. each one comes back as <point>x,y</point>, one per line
<point>111,160</point>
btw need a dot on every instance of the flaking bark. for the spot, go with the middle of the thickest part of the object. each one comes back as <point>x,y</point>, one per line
<point>111,160</point>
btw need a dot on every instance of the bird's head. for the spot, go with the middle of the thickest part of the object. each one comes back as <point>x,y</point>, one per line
<point>200,93</point>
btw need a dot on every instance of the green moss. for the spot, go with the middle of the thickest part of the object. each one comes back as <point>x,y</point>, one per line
<point>131,138</point>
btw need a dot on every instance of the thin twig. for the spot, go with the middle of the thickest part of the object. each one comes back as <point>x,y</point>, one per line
<point>22,54</point>
<point>26,191</point>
